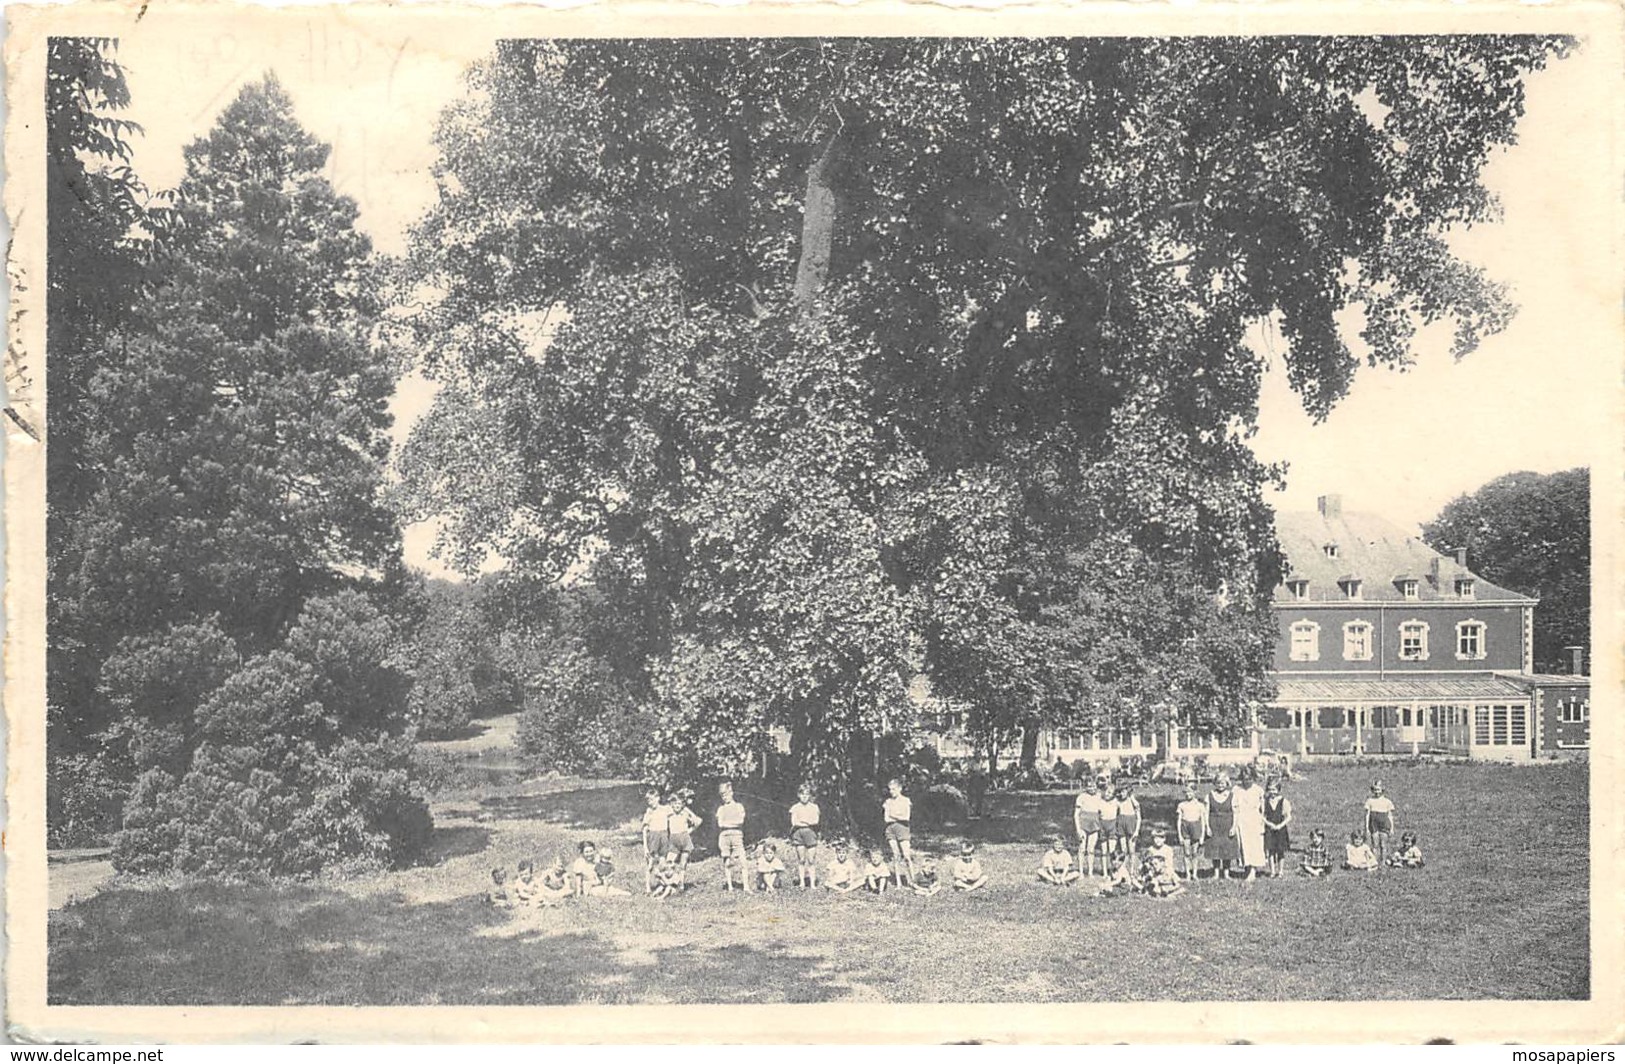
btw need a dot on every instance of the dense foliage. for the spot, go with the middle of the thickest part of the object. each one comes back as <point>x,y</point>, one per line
<point>1530,532</point>
<point>222,566</point>
<point>843,361</point>
<point>457,663</point>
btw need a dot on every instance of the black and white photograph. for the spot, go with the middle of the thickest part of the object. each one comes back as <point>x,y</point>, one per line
<point>863,510</point>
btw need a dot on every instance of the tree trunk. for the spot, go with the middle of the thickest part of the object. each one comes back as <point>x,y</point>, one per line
<point>817,225</point>
<point>1029,743</point>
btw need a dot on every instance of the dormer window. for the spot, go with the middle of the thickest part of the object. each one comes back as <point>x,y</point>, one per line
<point>1351,586</point>
<point>1330,550</point>
<point>1464,588</point>
<point>1408,586</point>
<point>1298,587</point>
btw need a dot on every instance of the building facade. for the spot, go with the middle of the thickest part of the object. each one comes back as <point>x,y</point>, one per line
<point>1388,646</point>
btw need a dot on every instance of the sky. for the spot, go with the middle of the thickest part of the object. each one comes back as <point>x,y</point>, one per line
<point>1539,396</point>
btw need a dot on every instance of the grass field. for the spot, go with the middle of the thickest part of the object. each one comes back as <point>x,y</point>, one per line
<point>1499,912</point>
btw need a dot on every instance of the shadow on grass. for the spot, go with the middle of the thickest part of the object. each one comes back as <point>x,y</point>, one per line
<point>459,841</point>
<point>216,944</point>
<point>583,809</point>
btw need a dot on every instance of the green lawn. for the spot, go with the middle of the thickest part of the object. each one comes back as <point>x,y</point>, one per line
<point>1500,912</point>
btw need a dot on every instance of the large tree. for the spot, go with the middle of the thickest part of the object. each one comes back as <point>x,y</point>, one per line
<point>238,430</point>
<point>849,359</point>
<point>1530,532</point>
<point>227,571</point>
<point>99,223</point>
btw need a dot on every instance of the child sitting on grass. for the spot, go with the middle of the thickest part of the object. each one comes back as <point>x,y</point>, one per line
<point>555,887</point>
<point>1409,854</point>
<point>584,875</point>
<point>605,865</point>
<point>968,874</point>
<point>1161,881</point>
<point>1122,879</point>
<point>926,882</point>
<point>497,897</point>
<point>768,866</point>
<point>842,876</point>
<point>1056,866</point>
<point>666,879</point>
<point>1160,848</point>
<point>525,889</point>
<point>1317,858</point>
<point>1358,855</point>
<point>875,873</point>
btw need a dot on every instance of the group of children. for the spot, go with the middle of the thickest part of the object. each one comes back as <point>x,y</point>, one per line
<point>1249,824</point>
<point>590,875</point>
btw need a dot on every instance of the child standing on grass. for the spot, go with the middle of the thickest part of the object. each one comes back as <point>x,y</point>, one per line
<point>1358,855</point>
<point>1317,858</point>
<point>804,837</point>
<point>680,832</point>
<point>1056,866</point>
<point>875,874</point>
<point>843,875</point>
<point>1128,820</point>
<point>731,839</point>
<point>1379,820</point>
<point>1086,819</point>
<point>926,882</point>
<point>1409,854</point>
<point>899,811</point>
<point>1108,818</point>
<point>656,834</point>
<point>769,867</point>
<point>1277,839</point>
<point>968,874</point>
<point>1192,814</point>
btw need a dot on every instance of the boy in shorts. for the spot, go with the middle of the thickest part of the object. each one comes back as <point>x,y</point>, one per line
<point>1056,866</point>
<point>967,870</point>
<point>769,867</point>
<point>899,811</point>
<point>731,839</point>
<point>926,882</point>
<point>656,834</point>
<point>843,875</point>
<point>680,833</point>
<point>804,836</point>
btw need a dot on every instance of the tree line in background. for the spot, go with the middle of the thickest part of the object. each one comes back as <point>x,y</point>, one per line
<point>1531,533</point>
<point>775,373</point>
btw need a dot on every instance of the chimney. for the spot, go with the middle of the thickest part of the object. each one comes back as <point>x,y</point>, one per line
<point>1461,557</point>
<point>1331,506</point>
<point>1576,660</point>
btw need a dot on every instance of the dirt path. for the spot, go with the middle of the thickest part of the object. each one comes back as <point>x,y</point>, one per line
<point>72,874</point>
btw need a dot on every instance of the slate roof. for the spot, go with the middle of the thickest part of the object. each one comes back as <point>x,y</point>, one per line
<point>1378,552</point>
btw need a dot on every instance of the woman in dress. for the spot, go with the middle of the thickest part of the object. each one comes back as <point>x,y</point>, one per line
<point>1249,807</point>
<point>1220,847</point>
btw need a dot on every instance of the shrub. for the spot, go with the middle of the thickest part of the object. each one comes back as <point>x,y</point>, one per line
<point>291,774</point>
<point>84,799</point>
